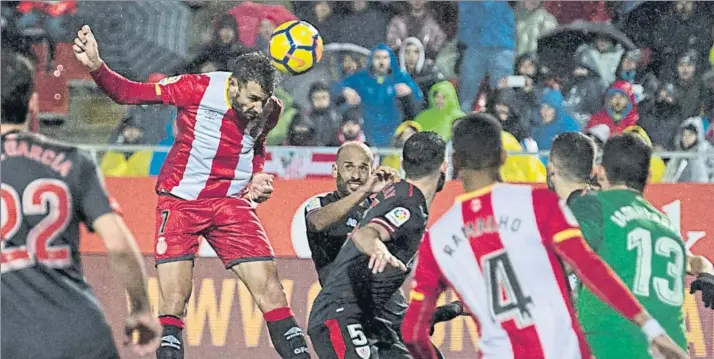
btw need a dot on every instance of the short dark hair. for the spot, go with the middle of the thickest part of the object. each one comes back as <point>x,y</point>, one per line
<point>477,142</point>
<point>17,86</point>
<point>255,66</point>
<point>318,86</point>
<point>626,159</point>
<point>573,153</point>
<point>422,154</point>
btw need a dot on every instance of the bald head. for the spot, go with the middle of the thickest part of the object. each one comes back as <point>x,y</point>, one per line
<point>353,166</point>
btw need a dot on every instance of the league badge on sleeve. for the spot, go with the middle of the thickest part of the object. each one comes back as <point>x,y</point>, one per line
<point>313,204</point>
<point>398,216</point>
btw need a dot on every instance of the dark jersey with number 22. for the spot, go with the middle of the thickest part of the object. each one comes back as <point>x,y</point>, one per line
<point>401,209</point>
<point>48,309</point>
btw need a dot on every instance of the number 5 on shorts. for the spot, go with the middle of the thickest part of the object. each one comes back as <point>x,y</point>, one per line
<point>164,219</point>
<point>357,335</point>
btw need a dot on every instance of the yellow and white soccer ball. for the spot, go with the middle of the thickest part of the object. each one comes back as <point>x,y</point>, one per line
<point>295,47</point>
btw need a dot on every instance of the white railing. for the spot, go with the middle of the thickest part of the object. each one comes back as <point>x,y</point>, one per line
<point>95,150</point>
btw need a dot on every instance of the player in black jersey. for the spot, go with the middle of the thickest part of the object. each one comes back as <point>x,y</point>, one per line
<point>330,218</point>
<point>347,319</point>
<point>48,189</point>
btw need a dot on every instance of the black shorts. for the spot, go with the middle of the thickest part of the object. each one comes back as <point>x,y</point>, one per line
<point>344,337</point>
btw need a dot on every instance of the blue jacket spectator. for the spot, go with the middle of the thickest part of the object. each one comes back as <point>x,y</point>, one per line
<point>488,29</point>
<point>157,160</point>
<point>552,120</point>
<point>386,93</point>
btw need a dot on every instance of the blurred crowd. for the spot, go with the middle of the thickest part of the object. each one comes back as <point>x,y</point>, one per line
<point>392,69</point>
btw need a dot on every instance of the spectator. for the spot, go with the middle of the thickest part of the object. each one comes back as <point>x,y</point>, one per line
<point>606,54</point>
<point>303,133</point>
<point>686,26</point>
<point>322,18</point>
<point>224,47</point>
<point>583,89</point>
<point>568,11</point>
<point>348,63</point>
<point>630,70</point>
<point>364,20</point>
<point>443,111</point>
<point>278,135</point>
<point>599,134</point>
<point>699,169</point>
<point>532,21</point>
<point>527,97</point>
<point>158,157</point>
<point>412,60</point>
<point>552,120</point>
<point>620,109</point>
<point>662,116</point>
<point>417,22</point>
<point>405,130</point>
<point>350,128</point>
<point>697,98</point>
<point>48,15</point>
<point>127,163</point>
<point>323,114</point>
<point>265,30</point>
<point>502,104</point>
<point>488,30</point>
<point>386,94</point>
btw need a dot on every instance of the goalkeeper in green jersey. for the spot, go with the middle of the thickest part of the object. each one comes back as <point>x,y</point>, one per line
<point>634,238</point>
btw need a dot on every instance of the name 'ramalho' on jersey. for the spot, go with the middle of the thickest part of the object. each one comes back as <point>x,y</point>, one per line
<point>500,248</point>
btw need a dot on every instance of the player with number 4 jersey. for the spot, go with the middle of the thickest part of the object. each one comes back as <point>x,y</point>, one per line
<point>501,247</point>
<point>641,246</point>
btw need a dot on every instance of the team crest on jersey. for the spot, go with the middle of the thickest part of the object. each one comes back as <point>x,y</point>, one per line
<point>398,216</point>
<point>364,352</point>
<point>313,204</point>
<point>169,80</point>
<point>161,246</point>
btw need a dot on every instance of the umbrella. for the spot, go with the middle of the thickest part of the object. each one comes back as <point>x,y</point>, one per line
<point>557,47</point>
<point>639,23</point>
<point>249,14</point>
<point>326,71</point>
<point>137,38</point>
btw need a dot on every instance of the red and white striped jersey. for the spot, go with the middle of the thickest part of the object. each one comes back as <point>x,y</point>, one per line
<point>499,249</point>
<point>216,152</point>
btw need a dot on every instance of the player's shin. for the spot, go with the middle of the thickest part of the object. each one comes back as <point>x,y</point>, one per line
<point>171,346</point>
<point>288,339</point>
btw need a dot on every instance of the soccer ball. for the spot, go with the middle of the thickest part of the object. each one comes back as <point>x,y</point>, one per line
<point>295,47</point>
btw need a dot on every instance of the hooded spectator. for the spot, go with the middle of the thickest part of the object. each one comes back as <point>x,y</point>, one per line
<point>412,60</point>
<point>417,21</point>
<point>443,110</point>
<point>620,109</point>
<point>127,163</point>
<point>527,97</point>
<point>488,29</point>
<point>697,97</point>
<point>630,70</point>
<point>699,169</point>
<point>350,128</point>
<point>552,120</point>
<point>657,166</point>
<point>662,116</point>
<point>606,53</point>
<point>502,104</point>
<point>323,113</point>
<point>532,21</point>
<point>386,93</point>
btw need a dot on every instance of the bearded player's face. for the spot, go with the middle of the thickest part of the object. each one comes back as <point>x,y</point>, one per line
<point>353,168</point>
<point>249,100</point>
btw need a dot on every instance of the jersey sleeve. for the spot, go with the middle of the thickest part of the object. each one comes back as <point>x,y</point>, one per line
<point>426,288</point>
<point>397,215</point>
<point>556,221</point>
<point>182,90</point>
<point>261,144</point>
<point>588,212</point>
<point>95,201</point>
